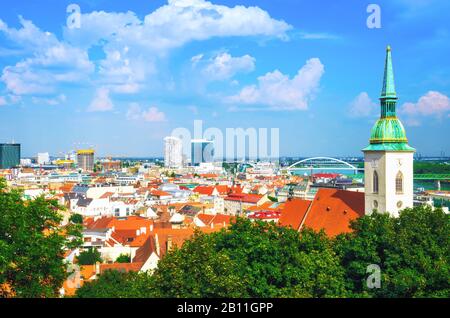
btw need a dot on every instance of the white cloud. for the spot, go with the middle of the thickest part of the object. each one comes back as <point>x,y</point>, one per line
<point>49,101</point>
<point>197,58</point>
<point>101,102</point>
<point>133,46</point>
<point>362,106</point>
<point>278,92</point>
<point>9,99</point>
<point>174,24</point>
<point>152,114</point>
<point>431,104</point>
<point>317,36</point>
<point>51,61</point>
<point>224,66</point>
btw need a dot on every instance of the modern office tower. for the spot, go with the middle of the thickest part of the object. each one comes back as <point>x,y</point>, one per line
<point>202,150</point>
<point>9,155</point>
<point>85,159</point>
<point>173,152</point>
<point>43,158</point>
<point>388,160</point>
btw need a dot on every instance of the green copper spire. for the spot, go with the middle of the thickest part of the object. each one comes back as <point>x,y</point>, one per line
<point>388,133</point>
<point>388,78</point>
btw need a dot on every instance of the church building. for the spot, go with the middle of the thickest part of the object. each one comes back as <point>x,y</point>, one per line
<point>388,160</point>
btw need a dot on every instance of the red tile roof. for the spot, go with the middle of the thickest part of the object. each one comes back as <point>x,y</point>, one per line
<point>294,212</point>
<point>209,219</point>
<point>205,190</point>
<point>106,195</point>
<point>265,215</point>
<point>247,198</point>
<point>222,189</point>
<point>159,193</point>
<point>122,267</point>
<point>333,209</point>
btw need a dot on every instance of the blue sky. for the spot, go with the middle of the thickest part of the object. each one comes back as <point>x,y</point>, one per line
<point>135,70</point>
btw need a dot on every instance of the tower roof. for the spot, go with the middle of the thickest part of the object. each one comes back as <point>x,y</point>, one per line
<point>388,77</point>
<point>388,133</point>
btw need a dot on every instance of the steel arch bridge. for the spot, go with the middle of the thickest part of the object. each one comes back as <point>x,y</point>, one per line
<point>320,164</point>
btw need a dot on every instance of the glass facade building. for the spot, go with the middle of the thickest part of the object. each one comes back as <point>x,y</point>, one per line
<point>9,155</point>
<point>202,150</point>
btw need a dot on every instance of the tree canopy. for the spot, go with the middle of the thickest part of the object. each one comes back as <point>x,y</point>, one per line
<point>257,259</point>
<point>412,252</point>
<point>123,258</point>
<point>32,245</point>
<point>89,257</point>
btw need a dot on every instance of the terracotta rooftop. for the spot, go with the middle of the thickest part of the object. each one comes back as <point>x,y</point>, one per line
<point>293,213</point>
<point>333,210</point>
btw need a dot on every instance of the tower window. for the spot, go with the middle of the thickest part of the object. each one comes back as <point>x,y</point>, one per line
<point>375,182</point>
<point>399,183</point>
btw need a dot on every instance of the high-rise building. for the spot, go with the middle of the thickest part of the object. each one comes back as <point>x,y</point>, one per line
<point>9,155</point>
<point>85,159</point>
<point>388,160</point>
<point>43,158</point>
<point>202,150</point>
<point>173,152</point>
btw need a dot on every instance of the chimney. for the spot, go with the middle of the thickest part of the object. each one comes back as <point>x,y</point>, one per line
<point>169,243</point>
<point>158,249</point>
<point>151,227</point>
<point>212,225</point>
<point>97,268</point>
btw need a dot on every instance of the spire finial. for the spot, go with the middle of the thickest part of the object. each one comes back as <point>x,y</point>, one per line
<point>388,78</point>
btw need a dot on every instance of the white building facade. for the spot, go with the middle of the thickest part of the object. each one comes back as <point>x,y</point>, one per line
<point>173,152</point>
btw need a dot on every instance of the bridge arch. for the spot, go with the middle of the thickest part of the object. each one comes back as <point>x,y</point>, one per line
<point>322,163</point>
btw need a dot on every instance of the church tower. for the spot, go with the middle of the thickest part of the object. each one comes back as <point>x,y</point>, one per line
<point>388,160</point>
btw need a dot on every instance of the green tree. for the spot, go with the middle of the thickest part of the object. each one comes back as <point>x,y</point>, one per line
<point>89,257</point>
<point>76,218</point>
<point>252,260</point>
<point>32,245</point>
<point>411,250</point>
<point>258,259</point>
<point>123,258</point>
<point>198,269</point>
<point>115,284</point>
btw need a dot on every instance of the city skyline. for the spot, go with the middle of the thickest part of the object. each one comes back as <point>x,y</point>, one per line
<point>315,77</point>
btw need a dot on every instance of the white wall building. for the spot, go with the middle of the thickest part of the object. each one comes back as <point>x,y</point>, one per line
<point>173,152</point>
<point>43,158</point>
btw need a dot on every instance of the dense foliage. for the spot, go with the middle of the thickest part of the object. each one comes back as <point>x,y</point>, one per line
<point>89,257</point>
<point>413,252</point>
<point>264,260</point>
<point>423,167</point>
<point>123,258</point>
<point>32,245</point>
<point>115,284</point>
<point>76,218</point>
